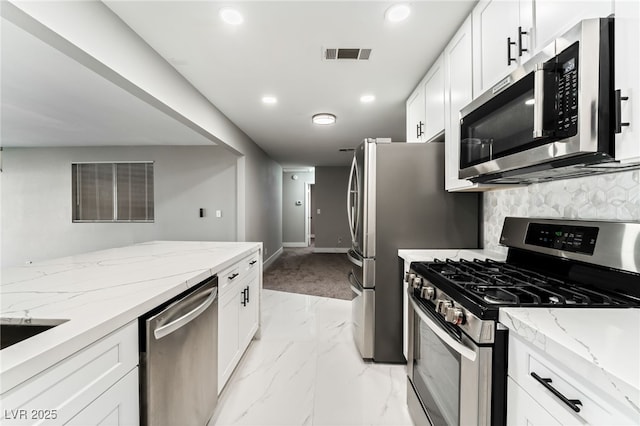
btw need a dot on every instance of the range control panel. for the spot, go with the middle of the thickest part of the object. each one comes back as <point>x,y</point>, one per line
<point>577,239</point>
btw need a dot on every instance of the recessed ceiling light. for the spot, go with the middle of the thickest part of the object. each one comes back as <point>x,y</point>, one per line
<point>397,13</point>
<point>323,119</point>
<point>365,99</point>
<point>231,16</point>
<point>269,100</point>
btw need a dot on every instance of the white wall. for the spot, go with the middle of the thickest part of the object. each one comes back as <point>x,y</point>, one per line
<point>614,196</point>
<point>37,202</point>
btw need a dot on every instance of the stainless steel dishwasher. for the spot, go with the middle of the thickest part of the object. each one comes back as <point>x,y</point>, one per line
<point>179,359</point>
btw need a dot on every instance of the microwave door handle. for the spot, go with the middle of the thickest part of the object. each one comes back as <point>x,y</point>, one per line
<point>538,105</point>
<point>463,350</point>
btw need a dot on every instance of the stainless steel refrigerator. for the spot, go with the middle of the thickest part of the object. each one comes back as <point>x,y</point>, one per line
<point>396,199</point>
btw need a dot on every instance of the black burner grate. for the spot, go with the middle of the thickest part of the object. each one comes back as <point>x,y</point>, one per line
<point>494,283</point>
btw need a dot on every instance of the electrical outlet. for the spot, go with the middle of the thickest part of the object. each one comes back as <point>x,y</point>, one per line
<point>339,240</point>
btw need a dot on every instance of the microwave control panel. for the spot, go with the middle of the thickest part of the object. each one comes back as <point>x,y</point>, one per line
<point>567,91</point>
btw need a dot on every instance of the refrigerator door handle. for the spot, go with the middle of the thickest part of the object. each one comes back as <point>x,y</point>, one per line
<point>349,200</point>
<point>354,258</point>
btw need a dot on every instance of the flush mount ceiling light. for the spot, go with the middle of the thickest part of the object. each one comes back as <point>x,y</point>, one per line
<point>323,119</point>
<point>231,16</point>
<point>397,13</point>
<point>269,100</point>
<point>365,99</point>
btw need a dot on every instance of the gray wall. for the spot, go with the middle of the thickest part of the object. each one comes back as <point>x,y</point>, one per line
<point>614,196</point>
<point>293,216</point>
<point>262,200</point>
<point>331,225</point>
<point>36,200</point>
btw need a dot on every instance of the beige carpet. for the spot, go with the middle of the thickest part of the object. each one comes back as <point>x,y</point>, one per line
<point>299,270</point>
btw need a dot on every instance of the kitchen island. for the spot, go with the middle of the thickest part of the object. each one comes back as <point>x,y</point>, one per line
<point>97,294</point>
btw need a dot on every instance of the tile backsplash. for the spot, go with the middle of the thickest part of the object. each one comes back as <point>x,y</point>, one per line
<point>614,196</point>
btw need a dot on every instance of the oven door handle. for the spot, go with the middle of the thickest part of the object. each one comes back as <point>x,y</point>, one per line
<point>463,350</point>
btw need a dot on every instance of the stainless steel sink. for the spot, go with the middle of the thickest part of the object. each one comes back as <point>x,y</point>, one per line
<point>13,331</point>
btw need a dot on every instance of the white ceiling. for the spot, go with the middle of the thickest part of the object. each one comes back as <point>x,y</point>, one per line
<point>49,99</point>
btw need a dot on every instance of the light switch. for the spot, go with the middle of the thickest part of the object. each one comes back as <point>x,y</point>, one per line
<point>318,211</point>
<point>218,213</point>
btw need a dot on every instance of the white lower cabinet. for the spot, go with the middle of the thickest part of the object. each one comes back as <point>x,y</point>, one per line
<point>117,406</point>
<point>568,397</point>
<point>100,378</point>
<point>524,410</point>
<point>238,313</point>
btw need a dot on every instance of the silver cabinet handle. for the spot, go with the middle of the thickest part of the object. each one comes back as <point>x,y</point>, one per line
<point>167,329</point>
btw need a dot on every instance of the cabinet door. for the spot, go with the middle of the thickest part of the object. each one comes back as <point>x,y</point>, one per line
<point>522,409</point>
<point>627,78</point>
<point>495,23</point>
<point>554,17</point>
<point>458,89</point>
<point>248,321</point>
<point>117,406</point>
<point>228,347</point>
<point>415,115</point>
<point>434,101</point>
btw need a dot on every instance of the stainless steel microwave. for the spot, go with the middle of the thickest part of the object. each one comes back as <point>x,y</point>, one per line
<point>553,117</point>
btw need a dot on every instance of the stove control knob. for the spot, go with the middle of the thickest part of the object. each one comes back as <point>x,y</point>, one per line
<point>442,305</point>
<point>417,282</point>
<point>409,276</point>
<point>427,292</point>
<point>454,315</point>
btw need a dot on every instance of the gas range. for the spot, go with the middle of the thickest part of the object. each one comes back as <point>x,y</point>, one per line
<point>453,310</point>
<point>551,263</point>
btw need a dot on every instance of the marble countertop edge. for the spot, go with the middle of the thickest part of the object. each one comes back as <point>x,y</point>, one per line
<point>96,314</point>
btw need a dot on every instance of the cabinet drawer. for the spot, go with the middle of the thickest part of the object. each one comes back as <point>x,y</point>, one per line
<point>547,383</point>
<point>251,264</point>
<point>117,406</point>
<point>72,384</point>
<point>245,269</point>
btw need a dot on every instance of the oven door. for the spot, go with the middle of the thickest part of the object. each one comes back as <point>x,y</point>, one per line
<point>450,376</point>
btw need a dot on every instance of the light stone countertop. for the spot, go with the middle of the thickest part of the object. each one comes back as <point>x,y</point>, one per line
<point>97,293</point>
<point>601,345</point>
<point>426,255</point>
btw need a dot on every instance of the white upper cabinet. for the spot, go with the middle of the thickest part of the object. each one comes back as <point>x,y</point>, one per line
<point>554,17</point>
<point>415,115</point>
<point>501,40</point>
<point>425,106</point>
<point>434,101</point>
<point>458,90</point>
<point>627,79</point>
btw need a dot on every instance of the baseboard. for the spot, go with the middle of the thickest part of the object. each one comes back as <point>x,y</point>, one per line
<point>303,244</point>
<point>330,250</point>
<point>271,259</point>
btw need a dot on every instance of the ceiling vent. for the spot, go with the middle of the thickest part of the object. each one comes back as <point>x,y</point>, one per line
<point>342,53</point>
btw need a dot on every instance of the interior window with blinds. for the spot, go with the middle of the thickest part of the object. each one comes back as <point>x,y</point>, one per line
<point>112,192</point>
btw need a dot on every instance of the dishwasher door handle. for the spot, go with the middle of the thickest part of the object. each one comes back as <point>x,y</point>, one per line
<point>169,328</point>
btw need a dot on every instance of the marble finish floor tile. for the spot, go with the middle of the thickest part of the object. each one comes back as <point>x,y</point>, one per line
<point>306,370</point>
